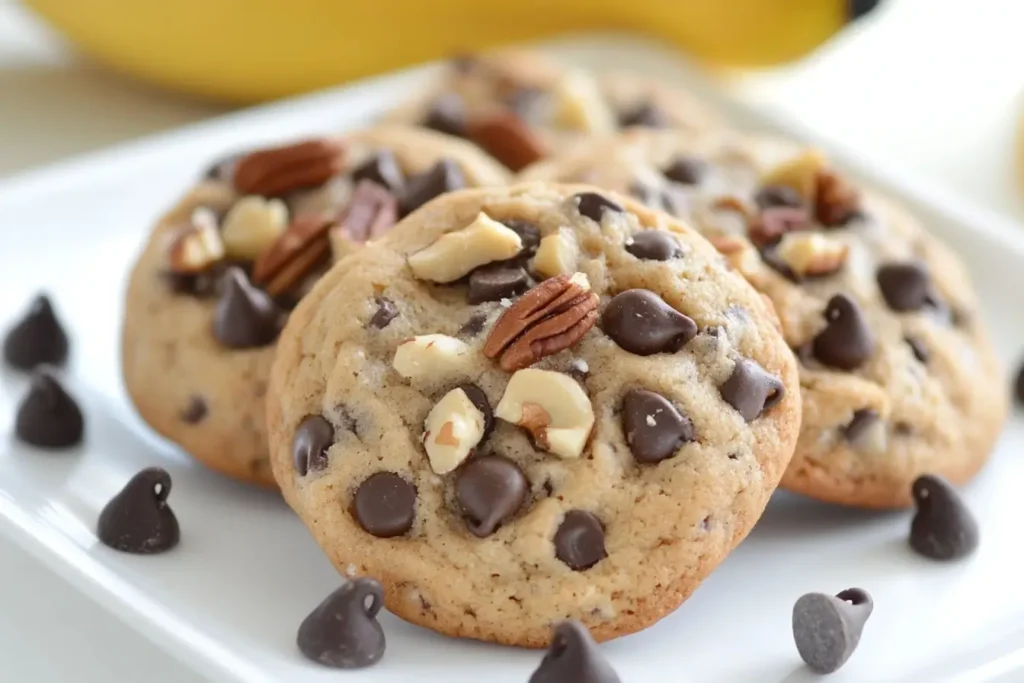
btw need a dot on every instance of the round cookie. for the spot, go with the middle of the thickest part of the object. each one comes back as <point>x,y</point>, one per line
<point>198,336</point>
<point>576,411</point>
<point>897,373</point>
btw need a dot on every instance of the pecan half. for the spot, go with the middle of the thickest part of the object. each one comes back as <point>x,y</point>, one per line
<point>371,212</point>
<point>836,200</point>
<point>301,248</point>
<point>279,170</point>
<point>507,138</point>
<point>549,318</point>
<point>772,223</point>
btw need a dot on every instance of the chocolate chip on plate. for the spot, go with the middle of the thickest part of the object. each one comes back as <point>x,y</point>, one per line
<point>385,313</point>
<point>37,339</point>
<point>905,286</point>
<point>579,541</point>
<point>944,527</point>
<point>382,168</point>
<point>847,341</point>
<point>685,170</point>
<point>593,205</point>
<point>495,282</point>
<point>447,115</point>
<point>490,489</point>
<point>444,176</point>
<point>245,316</point>
<point>478,398</point>
<point>773,196</point>
<point>309,445</point>
<point>342,632</point>
<point>654,245</point>
<point>641,322</point>
<point>573,658</point>
<point>48,416</point>
<point>751,390</point>
<point>385,505</point>
<point>827,629</point>
<point>138,519</point>
<point>654,428</point>
<point>195,412</point>
<point>644,113</point>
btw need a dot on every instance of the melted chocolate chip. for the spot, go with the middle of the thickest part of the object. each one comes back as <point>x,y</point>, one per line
<point>309,445</point>
<point>847,341</point>
<point>48,417</point>
<point>342,632</point>
<point>905,286</point>
<point>641,322</point>
<point>593,205</point>
<point>654,428</point>
<point>654,245</point>
<point>751,390</point>
<point>490,490</point>
<point>478,398</point>
<point>473,326</point>
<point>573,658</point>
<point>685,170</point>
<point>444,176</point>
<point>644,114</point>
<point>138,519</point>
<point>385,313</point>
<point>919,349</point>
<point>37,339</point>
<point>579,541</point>
<point>385,505</point>
<point>496,282</point>
<point>447,115</point>
<point>863,420</point>
<point>382,168</point>
<point>245,317</point>
<point>195,412</point>
<point>528,233</point>
<point>943,528</point>
<point>827,628</point>
<point>772,196</point>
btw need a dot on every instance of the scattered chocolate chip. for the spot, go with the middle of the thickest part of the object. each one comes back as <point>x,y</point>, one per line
<point>573,658</point>
<point>528,233</point>
<point>48,416</point>
<point>524,101</point>
<point>496,282</point>
<point>473,326</point>
<point>385,505</point>
<point>654,245</point>
<point>36,339</point>
<point>641,322</point>
<point>593,205</point>
<point>342,632</point>
<point>478,398</point>
<point>579,541</point>
<point>245,317</point>
<point>943,527</point>
<point>847,341</point>
<point>195,412</point>
<point>490,489</point>
<point>905,286</point>
<point>381,168</point>
<point>444,176</point>
<point>310,443</point>
<point>447,115</point>
<point>827,628</point>
<point>1018,386</point>
<point>654,428</point>
<point>385,313</point>
<point>751,390</point>
<point>772,196</point>
<point>644,114</point>
<point>685,170</point>
<point>863,420</point>
<point>138,520</point>
<point>919,349</point>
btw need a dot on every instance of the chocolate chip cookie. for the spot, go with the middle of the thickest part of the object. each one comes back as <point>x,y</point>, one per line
<point>569,408</point>
<point>520,106</point>
<point>897,372</point>
<point>219,274</point>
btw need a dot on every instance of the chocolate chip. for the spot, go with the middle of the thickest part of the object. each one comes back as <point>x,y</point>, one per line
<point>245,317</point>
<point>1018,386</point>
<point>905,286</point>
<point>473,326</point>
<point>444,176</point>
<point>310,443</point>
<point>919,349</point>
<point>48,416</point>
<point>138,519</point>
<point>195,412</point>
<point>385,505</point>
<point>573,658</point>
<point>385,313</point>
<point>641,322</point>
<point>772,196</point>
<point>579,541</point>
<point>654,428</point>
<point>943,528</point>
<point>381,168</point>
<point>478,398</point>
<point>643,114</point>
<point>827,628</point>
<point>863,420</point>
<point>496,282</point>
<point>654,245</point>
<point>490,490</point>
<point>447,115</point>
<point>528,233</point>
<point>751,390</point>
<point>342,632</point>
<point>847,341</point>
<point>685,170</point>
<point>37,339</point>
<point>593,205</point>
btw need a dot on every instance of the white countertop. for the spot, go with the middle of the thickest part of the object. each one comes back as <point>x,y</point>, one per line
<point>934,84</point>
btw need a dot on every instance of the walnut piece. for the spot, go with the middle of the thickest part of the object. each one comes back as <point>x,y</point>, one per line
<point>452,429</point>
<point>552,407</point>
<point>457,253</point>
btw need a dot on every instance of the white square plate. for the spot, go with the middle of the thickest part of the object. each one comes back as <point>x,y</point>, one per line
<point>229,599</point>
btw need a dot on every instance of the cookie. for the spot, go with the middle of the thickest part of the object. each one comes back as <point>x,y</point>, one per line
<point>898,375</point>
<point>521,106</point>
<point>587,444</point>
<point>220,272</point>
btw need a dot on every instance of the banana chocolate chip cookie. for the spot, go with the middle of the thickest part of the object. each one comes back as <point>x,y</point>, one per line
<point>897,373</point>
<point>570,408</point>
<point>220,272</point>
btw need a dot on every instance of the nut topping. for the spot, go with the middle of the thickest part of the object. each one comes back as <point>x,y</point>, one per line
<point>799,173</point>
<point>771,224</point>
<point>252,226</point>
<point>196,246</point>
<point>454,426</point>
<point>507,138</point>
<point>302,247</point>
<point>809,254</point>
<point>556,254</point>
<point>277,171</point>
<point>455,254</point>
<point>431,357</point>
<point>552,407</point>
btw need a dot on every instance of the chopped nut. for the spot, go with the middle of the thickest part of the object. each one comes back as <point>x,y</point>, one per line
<point>507,138</point>
<point>728,244</point>
<point>196,246</point>
<point>552,407</point>
<point>799,173</point>
<point>302,247</point>
<point>837,200</point>
<point>580,105</point>
<point>252,226</point>
<point>456,253</point>
<point>556,254</point>
<point>431,356</point>
<point>809,253</point>
<point>731,203</point>
<point>279,170</point>
<point>771,224</point>
<point>452,429</point>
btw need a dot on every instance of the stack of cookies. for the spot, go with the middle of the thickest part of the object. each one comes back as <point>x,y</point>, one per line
<point>541,345</point>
